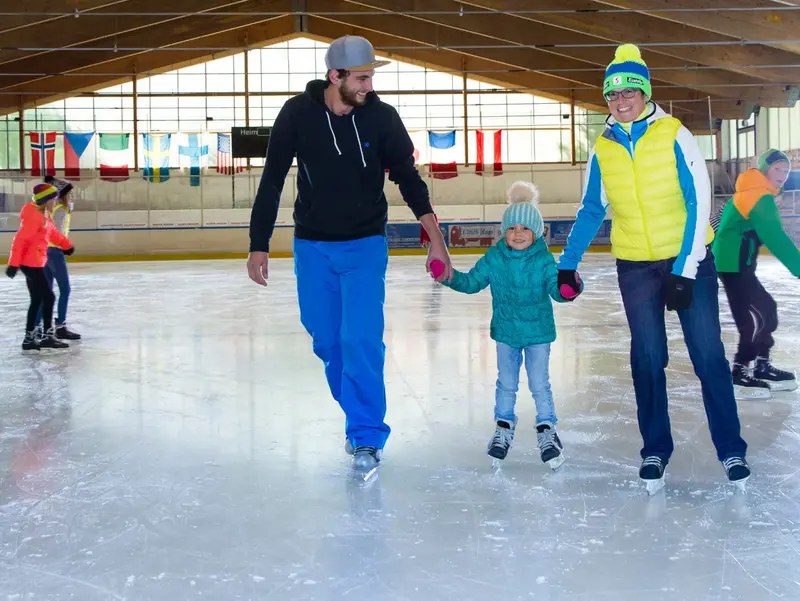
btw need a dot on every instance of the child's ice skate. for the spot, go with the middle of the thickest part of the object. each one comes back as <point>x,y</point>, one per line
<point>777,379</point>
<point>51,345</point>
<point>652,473</point>
<point>738,472</point>
<point>30,345</point>
<point>746,386</point>
<point>550,446</point>
<point>501,442</point>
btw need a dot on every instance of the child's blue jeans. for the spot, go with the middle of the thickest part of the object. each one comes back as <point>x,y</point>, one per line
<point>537,366</point>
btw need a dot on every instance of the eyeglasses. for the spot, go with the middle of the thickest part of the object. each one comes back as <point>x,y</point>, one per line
<point>626,93</point>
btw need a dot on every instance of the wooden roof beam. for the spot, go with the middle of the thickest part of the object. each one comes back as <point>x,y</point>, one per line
<point>773,25</point>
<point>56,88</point>
<point>167,35</point>
<point>641,28</point>
<point>58,33</point>
<point>506,28</point>
<point>52,6</point>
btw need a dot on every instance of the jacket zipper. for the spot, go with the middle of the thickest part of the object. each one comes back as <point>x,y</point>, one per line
<point>636,192</point>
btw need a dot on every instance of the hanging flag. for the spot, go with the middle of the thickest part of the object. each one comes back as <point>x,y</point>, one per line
<point>156,157</point>
<point>75,146</point>
<point>43,154</point>
<point>442,141</point>
<point>195,153</point>
<point>444,170</point>
<point>497,152</point>
<point>225,162</point>
<point>114,157</point>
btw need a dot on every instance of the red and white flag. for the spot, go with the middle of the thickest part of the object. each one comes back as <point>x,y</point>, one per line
<point>43,154</point>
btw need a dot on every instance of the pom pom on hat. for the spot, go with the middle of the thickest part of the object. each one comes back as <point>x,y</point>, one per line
<point>42,193</point>
<point>628,52</point>
<point>627,70</point>
<point>523,192</point>
<point>522,210</point>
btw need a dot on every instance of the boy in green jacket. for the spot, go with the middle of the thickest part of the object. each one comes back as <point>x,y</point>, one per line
<point>752,218</point>
<point>523,278</point>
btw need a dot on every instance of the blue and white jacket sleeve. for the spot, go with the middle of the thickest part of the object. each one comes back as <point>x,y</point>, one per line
<point>696,186</point>
<point>589,218</point>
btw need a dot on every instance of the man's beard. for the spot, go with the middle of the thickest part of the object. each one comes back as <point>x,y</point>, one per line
<point>349,96</point>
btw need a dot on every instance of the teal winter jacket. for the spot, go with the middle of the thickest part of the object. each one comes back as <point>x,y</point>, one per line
<point>522,282</point>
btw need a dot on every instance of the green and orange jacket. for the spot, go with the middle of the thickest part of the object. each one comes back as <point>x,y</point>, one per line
<point>751,218</point>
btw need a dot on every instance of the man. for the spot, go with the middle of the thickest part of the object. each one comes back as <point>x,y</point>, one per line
<point>345,139</point>
<point>649,169</point>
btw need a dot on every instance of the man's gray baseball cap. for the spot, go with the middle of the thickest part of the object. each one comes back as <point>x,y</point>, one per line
<point>352,53</point>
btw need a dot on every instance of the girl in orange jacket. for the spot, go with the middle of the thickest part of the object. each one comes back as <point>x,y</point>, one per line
<point>29,255</point>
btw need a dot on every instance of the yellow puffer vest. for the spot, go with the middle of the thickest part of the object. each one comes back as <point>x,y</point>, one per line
<point>645,194</point>
<point>62,222</point>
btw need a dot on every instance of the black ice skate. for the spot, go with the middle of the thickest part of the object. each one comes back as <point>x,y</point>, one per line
<point>550,446</point>
<point>738,471</point>
<point>52,345</point>
<point>777,379</point>
<point>365,461</point>
<point>30,345</point>
<point>652,472</point>
<point>501,442</point>
<point>63,333</point>
<point>746,387</point>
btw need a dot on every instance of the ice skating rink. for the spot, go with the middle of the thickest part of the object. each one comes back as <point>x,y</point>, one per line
<point>188,448</point>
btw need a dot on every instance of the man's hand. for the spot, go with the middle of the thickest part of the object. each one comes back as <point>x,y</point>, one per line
<point>257,267</point>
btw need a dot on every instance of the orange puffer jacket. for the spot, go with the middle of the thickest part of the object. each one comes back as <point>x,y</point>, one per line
<point>36,231</point>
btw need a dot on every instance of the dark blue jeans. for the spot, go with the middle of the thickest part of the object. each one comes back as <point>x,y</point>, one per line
<point>56,270</point>
<point>643,288</point>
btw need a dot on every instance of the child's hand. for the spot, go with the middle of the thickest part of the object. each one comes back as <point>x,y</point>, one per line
<point>569,284</point>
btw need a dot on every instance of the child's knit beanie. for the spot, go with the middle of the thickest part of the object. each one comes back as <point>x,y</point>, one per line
<point>523,198</point>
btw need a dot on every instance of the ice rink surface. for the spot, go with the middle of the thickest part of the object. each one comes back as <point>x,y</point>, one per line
<point>188,448</point>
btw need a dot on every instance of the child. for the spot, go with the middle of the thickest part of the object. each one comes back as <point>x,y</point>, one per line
<point>56,268</point>
<point>750,220</point>
<point>28,254</point>
<point>522,277</point>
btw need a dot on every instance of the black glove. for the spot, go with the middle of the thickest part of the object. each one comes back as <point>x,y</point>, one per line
<point>70,251</point>
<point>679,292</point>
<point>569,284</point>
<point>11,271</point>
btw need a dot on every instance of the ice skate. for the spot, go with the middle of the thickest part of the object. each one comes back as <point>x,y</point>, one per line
<point>777,379</point>
<point>366,461</point>
<point>348,447</point>
<point>30,345</point>
<point>63,333</point>
<point>52,345</point>
<point>501,442</point>
<point>38,333</point>
<point>652,473</point>
<point>738,472</point>
<point>550,446</point>
<point>746,387</point>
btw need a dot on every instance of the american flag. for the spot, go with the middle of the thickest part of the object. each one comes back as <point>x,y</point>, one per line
<point>225,163</point>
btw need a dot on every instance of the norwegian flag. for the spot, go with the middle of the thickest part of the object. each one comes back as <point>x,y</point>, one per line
<point>225,163</point>
<point>43,154</point>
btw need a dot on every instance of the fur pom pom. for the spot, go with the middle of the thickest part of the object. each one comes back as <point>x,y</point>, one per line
<point>523,192</point>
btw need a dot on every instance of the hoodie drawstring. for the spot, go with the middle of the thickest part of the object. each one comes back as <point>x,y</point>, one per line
<point>333,134</point>
<point>358,137</point>
<point>361,150</point>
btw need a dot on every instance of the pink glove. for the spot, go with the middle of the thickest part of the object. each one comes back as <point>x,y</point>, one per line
<point>437,268</point>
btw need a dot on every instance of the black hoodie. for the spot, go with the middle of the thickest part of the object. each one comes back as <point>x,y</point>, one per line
<point>341,168</point>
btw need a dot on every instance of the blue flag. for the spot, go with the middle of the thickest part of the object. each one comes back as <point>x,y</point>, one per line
<point>442,141</point>
<point>156,157</point>
<point>194,152</point>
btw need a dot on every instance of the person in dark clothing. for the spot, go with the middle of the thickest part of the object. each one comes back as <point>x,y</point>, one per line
<point>345,139</point>
<point>749,220</point>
